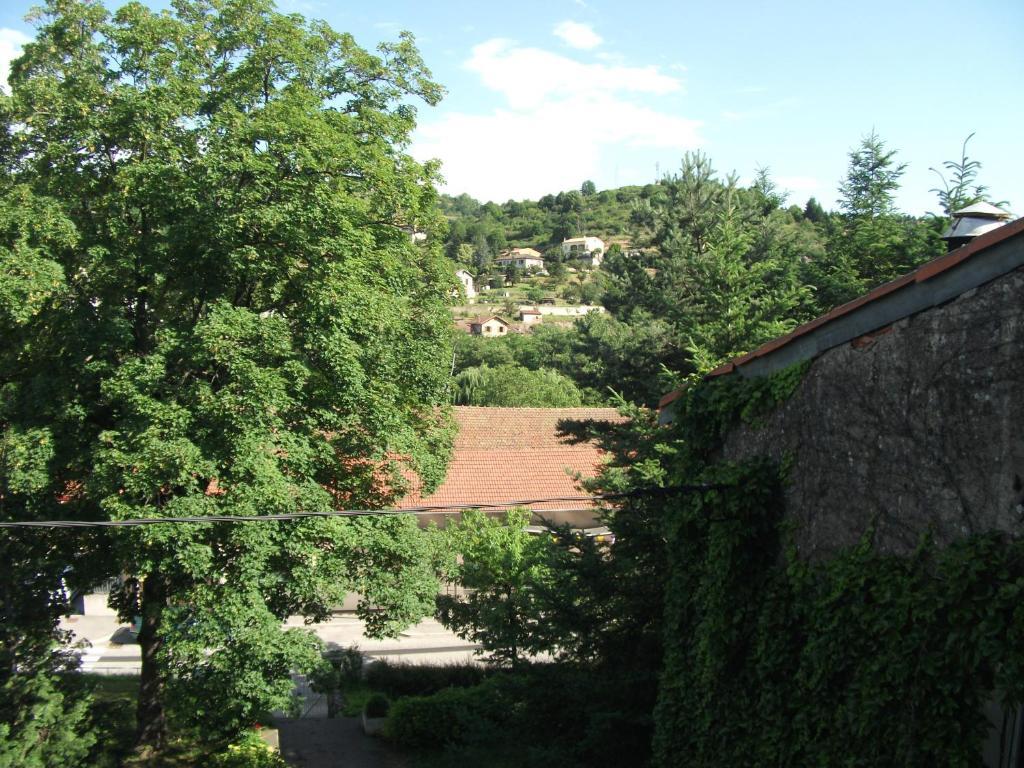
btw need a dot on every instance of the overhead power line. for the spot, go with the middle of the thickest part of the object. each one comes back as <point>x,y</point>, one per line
<point>436,509</point>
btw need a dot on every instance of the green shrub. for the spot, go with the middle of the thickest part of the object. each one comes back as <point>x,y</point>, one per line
<point>355,696</point>
<point>377,705</point>
<point>397,680</point>
<point>249,752</point>
<point>340,668</point>
<point>447,717</point>
<point>567,711</point>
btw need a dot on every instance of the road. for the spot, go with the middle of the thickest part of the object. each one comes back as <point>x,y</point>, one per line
<point>109,647</point>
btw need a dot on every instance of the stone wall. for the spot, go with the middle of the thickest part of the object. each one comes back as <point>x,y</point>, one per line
<point>917,427</point>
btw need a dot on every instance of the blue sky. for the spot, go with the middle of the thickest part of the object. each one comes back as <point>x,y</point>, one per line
<point>543,95</point>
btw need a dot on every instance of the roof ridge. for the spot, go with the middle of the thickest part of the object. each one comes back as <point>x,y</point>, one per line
<point>922,273</point>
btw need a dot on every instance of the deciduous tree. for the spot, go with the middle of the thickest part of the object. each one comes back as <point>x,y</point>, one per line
<point>221,313</point>
<point>515,386</point>
<point>505,571</point>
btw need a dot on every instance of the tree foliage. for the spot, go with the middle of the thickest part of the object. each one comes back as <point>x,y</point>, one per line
<point>723,268</point>
<point>504,570</point>
<point>871,242</point>
<point>727,275</point>
<point>515,386</point>
<point>871,179</point>
<point>961,189</point>
<point>211,306</point>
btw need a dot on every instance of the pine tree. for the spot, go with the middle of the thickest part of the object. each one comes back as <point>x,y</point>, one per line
<point>962,188</point>
<point>874,242</point>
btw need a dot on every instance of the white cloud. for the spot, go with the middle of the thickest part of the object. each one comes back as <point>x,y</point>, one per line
<point>560,121</point>
<point>577,35</point>
<point>11,43</point>
<point>528,77</point>
<point>610,58</point>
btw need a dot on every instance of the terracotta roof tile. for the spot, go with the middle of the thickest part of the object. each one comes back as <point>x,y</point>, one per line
<point>507,454</point>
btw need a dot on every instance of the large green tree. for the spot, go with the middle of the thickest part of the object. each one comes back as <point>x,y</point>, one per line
<point>505,571</point>
<point>871,242</point>
<point>726,276</point>
<point>217,310</point>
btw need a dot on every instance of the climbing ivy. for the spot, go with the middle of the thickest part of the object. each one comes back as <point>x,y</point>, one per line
<point>867,659</point>
<point>710,408</point>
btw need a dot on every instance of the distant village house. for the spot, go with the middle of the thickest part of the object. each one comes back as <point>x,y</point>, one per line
<point>467,283</point>
<point>530,316</point>
<point>488,326</point>
<point>588,250</point>
<point>524,258</point>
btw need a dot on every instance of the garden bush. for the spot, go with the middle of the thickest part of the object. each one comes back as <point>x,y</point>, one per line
<point>568,713</point>
<point>451,716</point>
<point>377,705</point>
<point>397,680</point>
<point>249,752</point>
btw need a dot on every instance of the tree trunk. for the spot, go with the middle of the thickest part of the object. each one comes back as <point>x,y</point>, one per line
<point>151,733</point>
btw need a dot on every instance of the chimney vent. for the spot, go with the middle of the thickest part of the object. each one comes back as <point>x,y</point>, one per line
<point>974,220</point>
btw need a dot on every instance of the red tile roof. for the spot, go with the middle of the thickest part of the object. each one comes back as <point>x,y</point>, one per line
<point>925,272</point>
<point>514,454</point>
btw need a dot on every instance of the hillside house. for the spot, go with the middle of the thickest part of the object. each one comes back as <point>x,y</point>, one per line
<point>587,250</point>
<point>467,283</point>
<point>489,326</point>
<point>524,258</point>
<point>530,316</point>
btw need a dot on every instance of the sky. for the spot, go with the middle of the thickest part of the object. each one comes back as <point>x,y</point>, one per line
<point>542,96</point>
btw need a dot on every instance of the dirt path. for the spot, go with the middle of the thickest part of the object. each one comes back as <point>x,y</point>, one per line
<point>338,743</point>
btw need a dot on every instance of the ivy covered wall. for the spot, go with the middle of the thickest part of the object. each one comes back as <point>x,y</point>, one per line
<point>917,428</point>
<point>853,592</point>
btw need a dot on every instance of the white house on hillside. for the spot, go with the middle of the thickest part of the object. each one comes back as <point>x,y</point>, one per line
<point>467,283</point>
<point>530,315</point>
<point>589,250</point>
<point>488,326</point>
<point>524,258</point>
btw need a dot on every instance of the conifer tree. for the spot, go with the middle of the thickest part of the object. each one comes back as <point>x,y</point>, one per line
<point>961,189</point>
<point>873,242</point>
